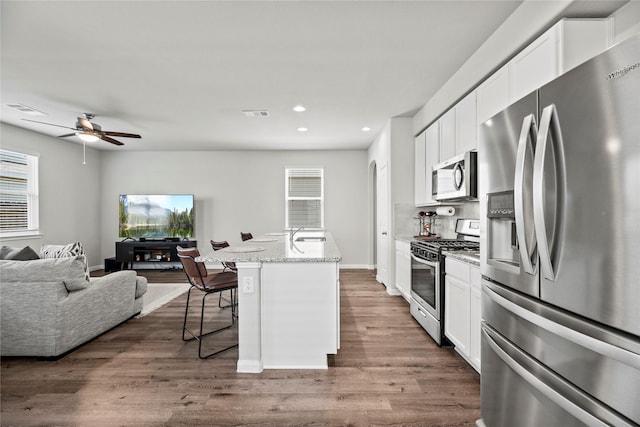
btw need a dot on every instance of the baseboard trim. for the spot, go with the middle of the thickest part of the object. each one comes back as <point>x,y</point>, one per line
<point>355,267</point>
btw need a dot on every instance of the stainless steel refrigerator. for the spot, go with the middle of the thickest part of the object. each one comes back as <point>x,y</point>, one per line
<point>559,183</point>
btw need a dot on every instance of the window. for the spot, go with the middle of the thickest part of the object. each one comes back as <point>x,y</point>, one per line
<point>18,194</point>
<point>304,188</point>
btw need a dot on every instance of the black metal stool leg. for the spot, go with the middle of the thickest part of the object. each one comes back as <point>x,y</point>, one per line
<point>199,338</point>
<point>186,312</point>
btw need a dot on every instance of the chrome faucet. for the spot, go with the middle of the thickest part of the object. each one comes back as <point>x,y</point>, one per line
<point>291,236</point>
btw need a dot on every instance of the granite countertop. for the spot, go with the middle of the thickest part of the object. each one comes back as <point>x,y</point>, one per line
<point>278,247</point>
<point>407,239</point>
<point>471,257</point>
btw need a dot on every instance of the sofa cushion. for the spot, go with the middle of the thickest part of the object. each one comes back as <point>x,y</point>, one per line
<point>62,251</point>
<point>141,286</point>
<point>68,270</point>
<point>18,254</point>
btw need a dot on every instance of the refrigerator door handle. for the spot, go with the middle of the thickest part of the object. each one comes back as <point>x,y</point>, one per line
<point>548,388</point>
<point>620,354</point>
<point>528,132</point>
<point>548,248</point>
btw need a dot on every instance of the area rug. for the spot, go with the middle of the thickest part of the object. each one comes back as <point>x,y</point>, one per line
<point>159,294</point>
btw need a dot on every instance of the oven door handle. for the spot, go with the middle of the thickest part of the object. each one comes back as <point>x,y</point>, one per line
<point>424,261</point>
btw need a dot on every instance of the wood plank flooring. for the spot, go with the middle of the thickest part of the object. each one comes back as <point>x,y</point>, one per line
<point>388,372</point>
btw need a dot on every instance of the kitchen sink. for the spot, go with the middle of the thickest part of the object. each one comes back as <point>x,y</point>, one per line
<point>311,239</point>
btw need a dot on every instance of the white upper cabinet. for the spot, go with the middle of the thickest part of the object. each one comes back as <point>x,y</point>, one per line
<point>493,95</point>
<point>459,128</point>
<point>466,124</point>
<point>420,189</point>
<point>432,154</point>
<point>448,135</point>
<point>427,154</point>
<point>565,45</point>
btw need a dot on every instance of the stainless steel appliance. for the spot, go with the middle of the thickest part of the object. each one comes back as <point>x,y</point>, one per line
<point>560,209</point>
<point>427,276</point>
<point>455,178</point>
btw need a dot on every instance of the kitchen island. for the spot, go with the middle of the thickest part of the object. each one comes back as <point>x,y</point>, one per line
<point>288,299</point>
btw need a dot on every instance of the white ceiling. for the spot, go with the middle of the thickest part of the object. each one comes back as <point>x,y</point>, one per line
<point>180,72</point>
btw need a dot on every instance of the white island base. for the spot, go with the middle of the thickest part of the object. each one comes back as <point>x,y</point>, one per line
<point>289,315</point>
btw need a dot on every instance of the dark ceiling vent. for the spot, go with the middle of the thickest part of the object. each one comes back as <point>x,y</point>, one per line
<point>25,109</point>
<point>255,113</point>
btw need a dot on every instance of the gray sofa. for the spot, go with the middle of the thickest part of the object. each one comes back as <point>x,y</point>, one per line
<point>48,307</point>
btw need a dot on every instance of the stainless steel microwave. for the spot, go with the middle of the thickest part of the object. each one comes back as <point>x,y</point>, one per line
<point>455,179</point>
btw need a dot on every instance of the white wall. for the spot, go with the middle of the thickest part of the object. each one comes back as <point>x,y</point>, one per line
<point>69,191</point>
<point>240,191</point>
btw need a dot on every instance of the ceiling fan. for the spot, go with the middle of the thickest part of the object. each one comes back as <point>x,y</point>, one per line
<point>90,132</point>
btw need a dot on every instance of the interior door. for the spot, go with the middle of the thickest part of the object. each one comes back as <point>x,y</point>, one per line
<point>383,225</point>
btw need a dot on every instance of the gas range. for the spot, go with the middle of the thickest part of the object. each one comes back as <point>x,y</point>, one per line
<point>431,250</point>
<point>468,240</point>
<point>427,275</point>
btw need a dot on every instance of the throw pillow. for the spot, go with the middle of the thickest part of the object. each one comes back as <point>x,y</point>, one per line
<point>62,251</point>
<point>18,254</point>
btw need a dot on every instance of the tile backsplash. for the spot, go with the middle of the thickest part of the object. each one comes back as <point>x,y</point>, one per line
<point>406,223</point>
<point>445,226</point>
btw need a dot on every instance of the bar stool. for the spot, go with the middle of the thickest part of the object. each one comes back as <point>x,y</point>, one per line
<point>199,279</point>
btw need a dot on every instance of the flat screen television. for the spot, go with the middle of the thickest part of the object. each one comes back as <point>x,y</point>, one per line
<point>156,216</point>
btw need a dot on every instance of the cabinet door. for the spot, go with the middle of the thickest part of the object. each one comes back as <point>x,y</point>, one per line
<point>432,154</point>
<point>456,313</point>
<point>448,135</point>
<point>493,95</point>
<point>403,269</point>
<point>420,189</point>
<point>475,314</point>
<point>534,66</point>
<point>466,124</point>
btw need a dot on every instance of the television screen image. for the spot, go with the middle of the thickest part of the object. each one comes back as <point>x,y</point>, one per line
<point>156,215</point>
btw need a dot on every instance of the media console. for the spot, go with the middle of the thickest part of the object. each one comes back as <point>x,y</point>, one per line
<point>131,251</point>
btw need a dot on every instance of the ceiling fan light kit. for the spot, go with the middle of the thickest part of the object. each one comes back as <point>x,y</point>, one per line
<point>87,137</point>
<point>90,132</point>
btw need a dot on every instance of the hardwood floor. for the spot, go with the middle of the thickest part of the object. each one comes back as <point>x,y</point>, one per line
<point>387,372</point>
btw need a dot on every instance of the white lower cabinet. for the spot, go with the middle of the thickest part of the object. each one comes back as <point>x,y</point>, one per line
<point>403,268</point>
<point>462,309</point>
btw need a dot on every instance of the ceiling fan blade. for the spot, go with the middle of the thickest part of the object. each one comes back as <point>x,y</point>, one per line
<point>50,124</point>
<point>67,134</point>
<point>122,134</point>
<point>111,140</point>
<point>84,123</point>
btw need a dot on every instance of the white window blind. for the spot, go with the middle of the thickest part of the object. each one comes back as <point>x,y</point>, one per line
<point>18,193</point>
<point>305,197</point>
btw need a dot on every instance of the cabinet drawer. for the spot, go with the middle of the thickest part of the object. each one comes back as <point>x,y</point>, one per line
<point>459,269</point>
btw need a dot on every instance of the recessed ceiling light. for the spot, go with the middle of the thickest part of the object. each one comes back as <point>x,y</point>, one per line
<point>366,129</point>
<point>302,129</point>
<point>299,108</point>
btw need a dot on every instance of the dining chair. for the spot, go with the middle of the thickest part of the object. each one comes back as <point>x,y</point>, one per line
<point>208,284</point>
<point>226,266</point>
<point>246,236</point>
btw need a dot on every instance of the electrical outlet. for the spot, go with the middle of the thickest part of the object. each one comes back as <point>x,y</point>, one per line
<point>248,285</point>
